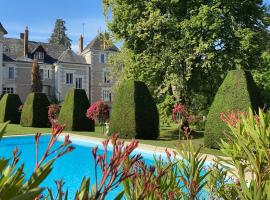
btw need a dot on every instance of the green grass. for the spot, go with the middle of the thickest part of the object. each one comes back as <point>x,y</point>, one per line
<point>168,136</point>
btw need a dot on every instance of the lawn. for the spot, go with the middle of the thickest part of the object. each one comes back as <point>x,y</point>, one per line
<point>168,136</point>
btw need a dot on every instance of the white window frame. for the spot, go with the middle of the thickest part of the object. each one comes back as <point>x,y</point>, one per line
<point>11,67</point>
<point>8,90</point>
<point>47,74</point>
<point>75,82</point>
<point>104,60</point>
<point>107,77</point>
<point>67,81</point>
<point>39,55</point>
<point>106,95</point>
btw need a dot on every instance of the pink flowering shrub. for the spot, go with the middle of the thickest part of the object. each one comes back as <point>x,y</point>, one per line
<point>180,115</point>
<point>98,111</point>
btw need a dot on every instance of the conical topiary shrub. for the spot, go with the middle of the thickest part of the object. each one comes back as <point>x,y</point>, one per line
<point>9,108</point>
<point>134,112</point>
<point>35,111</point>
<point>238,92</point>
<point>73,111</point>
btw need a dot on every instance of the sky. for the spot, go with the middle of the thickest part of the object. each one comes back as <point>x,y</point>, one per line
<point>40,17</point>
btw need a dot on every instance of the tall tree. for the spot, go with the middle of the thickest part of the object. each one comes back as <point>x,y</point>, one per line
<point>182,49</point>
<point>36,79</point>
<point>59,34</point>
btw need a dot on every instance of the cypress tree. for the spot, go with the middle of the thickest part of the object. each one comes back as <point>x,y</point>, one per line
<point>59,34</point>
<point>36,79</point>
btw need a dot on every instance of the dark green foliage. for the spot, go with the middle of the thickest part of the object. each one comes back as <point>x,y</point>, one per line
<point>134,112</point>
<point>9,108</point>
<point>238,92</point>
<point>35,111</point>
<point>36,79</point>
<point>73,112</point>
<point>59,34</point>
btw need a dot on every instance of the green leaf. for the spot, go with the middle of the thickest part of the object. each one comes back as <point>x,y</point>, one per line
<point>29,195</point>
<point>120,196</point>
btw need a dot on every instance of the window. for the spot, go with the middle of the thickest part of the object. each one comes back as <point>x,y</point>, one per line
<point>78,83</point>
<point>47,73</point>
<point>106,95</point>
<point>69,78</point>
<point>11,73</point>
<point>102,58</point>
<point>107,77</point>
<point>41,74</point>
<point>39,55</point>
<point>8,90</point>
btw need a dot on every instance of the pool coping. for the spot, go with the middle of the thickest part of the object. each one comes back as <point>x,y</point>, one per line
<point>144,147</point>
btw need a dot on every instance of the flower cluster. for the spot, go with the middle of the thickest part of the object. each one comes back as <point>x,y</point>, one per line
<point>98,111</point>
<point>179,111</point>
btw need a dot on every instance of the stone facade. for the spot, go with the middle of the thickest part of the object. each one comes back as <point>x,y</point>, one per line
<point>60,67</point>
<point>101,80</point>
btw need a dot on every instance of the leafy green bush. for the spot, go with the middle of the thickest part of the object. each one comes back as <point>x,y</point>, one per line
<point>249,158</point>
<point>35,110</point>
<point>73,111</point>
<point>134,112</point>
<point>9,108</point>
<point>237,92</point>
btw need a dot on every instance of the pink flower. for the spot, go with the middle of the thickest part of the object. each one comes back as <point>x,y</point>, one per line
<point>98,111</point>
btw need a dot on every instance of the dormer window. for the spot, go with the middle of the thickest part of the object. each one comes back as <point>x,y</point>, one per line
<point>39,55</point>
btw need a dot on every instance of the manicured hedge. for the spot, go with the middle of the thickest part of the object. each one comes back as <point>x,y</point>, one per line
<point>35,110</point>
<point>134,112</point>
<point>73,111</point>
<point>9,108</point>
<point>237,92</point>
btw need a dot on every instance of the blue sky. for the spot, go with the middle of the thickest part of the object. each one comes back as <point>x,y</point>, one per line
<point>41,15</point>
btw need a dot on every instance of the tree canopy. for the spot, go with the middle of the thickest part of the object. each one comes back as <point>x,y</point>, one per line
<point>183,49</point>
<point>59,34</point>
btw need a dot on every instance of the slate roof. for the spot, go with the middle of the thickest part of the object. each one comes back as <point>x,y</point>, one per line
<point>97,44</point>
<point>54,53</point>
<point>69,56</point>
<point>2,29</point>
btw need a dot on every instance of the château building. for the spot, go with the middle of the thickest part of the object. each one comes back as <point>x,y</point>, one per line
<point>60,67</point>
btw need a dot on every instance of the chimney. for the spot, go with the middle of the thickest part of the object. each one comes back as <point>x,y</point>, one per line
<point>22,36</point>
<point>81,44</point>
<point>25,42</point>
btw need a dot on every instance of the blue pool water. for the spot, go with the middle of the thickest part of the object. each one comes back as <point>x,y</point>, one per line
<point>71,167</point>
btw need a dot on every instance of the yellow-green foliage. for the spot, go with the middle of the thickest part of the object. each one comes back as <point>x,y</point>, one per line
<point>249,152</point>
<point>237,92</point>
<point>73,111</point>
<point>9,108</point>
<point>134,112</point>
<point>35,111</point>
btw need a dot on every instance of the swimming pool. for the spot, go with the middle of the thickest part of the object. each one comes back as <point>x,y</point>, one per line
<point>72,167</point>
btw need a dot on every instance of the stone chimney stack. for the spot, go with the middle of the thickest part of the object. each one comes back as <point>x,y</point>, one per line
<point>81,44</point>
<point>25,41</point>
